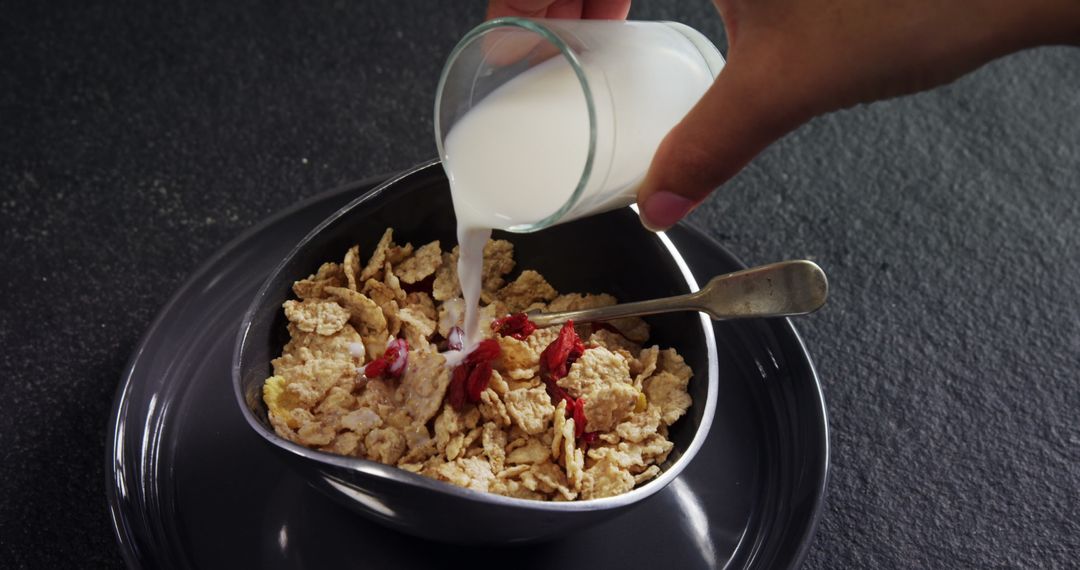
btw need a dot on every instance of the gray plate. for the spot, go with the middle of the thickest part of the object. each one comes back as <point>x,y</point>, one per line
<point>191,485</point>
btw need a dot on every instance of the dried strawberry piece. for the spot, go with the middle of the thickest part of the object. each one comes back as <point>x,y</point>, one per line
<point>555,363</point>
<point>557,393</point>
<point>488,349</point>
<point>472,376</point>
<point>393,361</point>
<point>575,408</point>
<point>376,367</point>
<point>478,380</point>
<point>397,354</point>
<point>579,417</point>
<point>556,359</point>
<point>516,326</point>
<point>457,387</point>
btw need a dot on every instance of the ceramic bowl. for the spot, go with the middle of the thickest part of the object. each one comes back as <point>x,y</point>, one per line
<point>609,253</point>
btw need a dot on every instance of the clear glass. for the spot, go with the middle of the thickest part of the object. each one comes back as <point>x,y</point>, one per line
<point>573,113</point>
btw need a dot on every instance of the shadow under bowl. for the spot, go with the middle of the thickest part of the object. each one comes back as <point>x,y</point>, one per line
<point>609,253</point>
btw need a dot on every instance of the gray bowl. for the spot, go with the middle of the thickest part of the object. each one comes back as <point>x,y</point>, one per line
<point>609,253</point>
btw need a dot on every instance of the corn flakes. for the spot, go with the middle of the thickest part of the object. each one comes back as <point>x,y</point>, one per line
<point>530,409</point>
<point>351,267</point>
<point>525,292</point>
<point>602,379</point>
<point>423,264</point>
<point>378,257</point>
<point>366,316</point>
<point>446,285</point>
<point>329,275</point>
<point>316,315</point>
<point>598,431</point>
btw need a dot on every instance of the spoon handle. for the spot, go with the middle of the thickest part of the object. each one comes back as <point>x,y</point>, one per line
<point>783,289</point>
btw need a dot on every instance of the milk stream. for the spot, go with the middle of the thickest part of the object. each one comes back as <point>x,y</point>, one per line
<point>516,157</point>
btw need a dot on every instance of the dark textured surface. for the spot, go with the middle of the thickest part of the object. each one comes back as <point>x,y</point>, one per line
<point>135,140</point>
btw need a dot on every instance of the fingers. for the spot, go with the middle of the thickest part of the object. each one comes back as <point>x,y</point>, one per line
<point>507,48</point>
<point>534,8</point>
<point>746,109</point>
<point>605,9</point>
<point>564,9</point>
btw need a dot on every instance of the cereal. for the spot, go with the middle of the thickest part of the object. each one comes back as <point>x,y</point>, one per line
<point>278,401</point>
<point>667,388</point>
<point>615,342</point>
<point>633,328</point>
<point>525,292</point>
<point>378,257</point>
<point>639,425</point>
<point>329,275</point>
<point>385,445</point>
<point>494,442</point>
<point>534,451</point>
<point>644,365</point>
<point>316,315</point>
<point>416,326</point>
<point>361,421</point>
<point>473,473</point>
<point>518,359</point>
<point>602,379</point>
<point>366,316</point>
<point>422,302</point>
<point>548,478</point>
<point>451,314</point>
<point>423,264</point>
<point>498,261</point>
<point>606,479</point>
<point>345,443</point>
<point>423,385</point>
<point>646,475</point>
<point>394,284</point>
<point>446,285</point>
<point>530,409</point>
<point>492,408</point>
<point>589,420</point>
<point>559,418</point>
<point>315,433</point>
<point>386,298</point>
<point>351,266</point>
<point>419,443</point>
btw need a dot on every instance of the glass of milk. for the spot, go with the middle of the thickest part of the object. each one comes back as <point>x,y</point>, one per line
<point>540,122</point>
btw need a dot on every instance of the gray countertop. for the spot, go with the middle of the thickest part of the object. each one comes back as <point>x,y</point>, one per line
<point>137,139</point>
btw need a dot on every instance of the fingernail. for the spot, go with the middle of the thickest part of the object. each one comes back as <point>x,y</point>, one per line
<point>661,210</point>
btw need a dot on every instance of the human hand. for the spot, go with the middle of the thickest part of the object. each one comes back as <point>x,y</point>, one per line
<point>791,60</point>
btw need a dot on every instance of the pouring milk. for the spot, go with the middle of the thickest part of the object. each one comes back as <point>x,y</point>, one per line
<point>516,157</point>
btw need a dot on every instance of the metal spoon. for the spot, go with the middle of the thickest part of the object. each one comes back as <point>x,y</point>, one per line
<point>783,289</point>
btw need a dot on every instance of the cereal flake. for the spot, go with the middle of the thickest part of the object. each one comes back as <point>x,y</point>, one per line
<point>423,264</point>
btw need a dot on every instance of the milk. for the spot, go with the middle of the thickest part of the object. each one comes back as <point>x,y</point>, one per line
<point>516,157</point>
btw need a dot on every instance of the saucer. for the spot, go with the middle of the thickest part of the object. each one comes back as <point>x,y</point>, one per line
<point>190,484</point>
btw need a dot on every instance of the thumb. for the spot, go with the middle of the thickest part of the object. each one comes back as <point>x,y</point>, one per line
<point>746,109</point>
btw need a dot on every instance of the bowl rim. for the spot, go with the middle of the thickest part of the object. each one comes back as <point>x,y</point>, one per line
<point>401,476</point>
